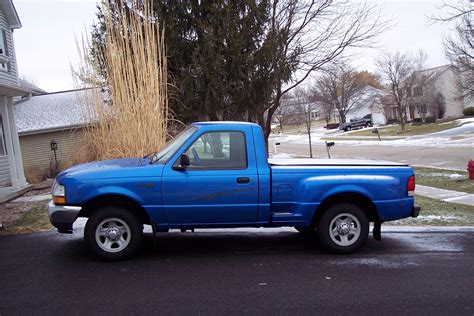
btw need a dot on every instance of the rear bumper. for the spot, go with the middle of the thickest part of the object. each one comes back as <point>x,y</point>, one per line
<point>416,211</point>
<point>62,217</point>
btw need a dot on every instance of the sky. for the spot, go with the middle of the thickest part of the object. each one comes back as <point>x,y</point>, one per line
<point>46,44</point>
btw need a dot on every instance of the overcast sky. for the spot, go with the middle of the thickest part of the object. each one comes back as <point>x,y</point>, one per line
<point>46,45</point>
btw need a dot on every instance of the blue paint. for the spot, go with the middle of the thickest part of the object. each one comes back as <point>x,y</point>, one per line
<point>287,194</point>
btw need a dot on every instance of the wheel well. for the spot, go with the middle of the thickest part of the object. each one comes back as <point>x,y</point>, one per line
<point>115,200</point>
<point>366,204</point>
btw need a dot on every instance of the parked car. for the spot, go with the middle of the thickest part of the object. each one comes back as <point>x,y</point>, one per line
<point>355,124</point>
<point>216,174</point>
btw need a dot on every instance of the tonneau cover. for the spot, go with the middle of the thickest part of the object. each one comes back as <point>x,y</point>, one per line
<point>332,162</point>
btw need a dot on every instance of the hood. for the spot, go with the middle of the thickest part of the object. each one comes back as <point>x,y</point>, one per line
<point>116,168</point>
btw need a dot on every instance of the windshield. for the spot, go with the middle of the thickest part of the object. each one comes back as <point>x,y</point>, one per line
<point>172,146</point>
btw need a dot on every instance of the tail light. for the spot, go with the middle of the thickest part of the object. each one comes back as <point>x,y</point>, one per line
<point>411,186</point>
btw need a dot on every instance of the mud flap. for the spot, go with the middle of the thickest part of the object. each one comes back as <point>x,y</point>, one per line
<point>377,231</point>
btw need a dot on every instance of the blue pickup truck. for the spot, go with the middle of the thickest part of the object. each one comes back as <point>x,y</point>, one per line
<point>217,174</point>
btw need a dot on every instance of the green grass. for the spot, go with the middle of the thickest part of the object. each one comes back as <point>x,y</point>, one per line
<point>410,129</point>
<point>293,128</point>
<point>438,213</point>
<point>34,220</point>
<point>456,180</point>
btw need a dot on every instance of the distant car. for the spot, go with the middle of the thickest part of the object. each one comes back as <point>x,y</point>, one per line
<point>355,124</point>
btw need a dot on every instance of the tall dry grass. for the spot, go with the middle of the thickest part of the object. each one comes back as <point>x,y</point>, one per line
<point>131,117</point>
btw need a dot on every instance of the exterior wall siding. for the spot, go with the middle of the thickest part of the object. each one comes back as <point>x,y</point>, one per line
<point>10,77</point>
<point>38,156</point>
<point>446,85</point>
<point>4,172</point>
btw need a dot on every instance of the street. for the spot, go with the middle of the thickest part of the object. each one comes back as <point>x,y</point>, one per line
<point>251,271</point>
<point>450,158</point>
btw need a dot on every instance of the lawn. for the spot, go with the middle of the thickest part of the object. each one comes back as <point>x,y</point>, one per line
<point>456,180</point>
<point>438,213</point>
<point>410,130</point>
<point>293,128</point>
<point>34,220</point>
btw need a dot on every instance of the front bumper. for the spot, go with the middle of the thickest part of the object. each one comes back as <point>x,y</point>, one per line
<point>62,216</point>
<point>416,210</point>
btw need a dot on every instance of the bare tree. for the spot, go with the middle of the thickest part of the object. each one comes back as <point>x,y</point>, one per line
<point>310,34</point>
<point>340,87</point>
<point>326,110</point>
<point>398,71</point>
<point>459,47</point>
<point>436,104</point>
<point>283,112</point>
<point>306,109</point>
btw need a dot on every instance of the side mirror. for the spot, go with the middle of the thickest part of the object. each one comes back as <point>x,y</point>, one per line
<point>183,163</point>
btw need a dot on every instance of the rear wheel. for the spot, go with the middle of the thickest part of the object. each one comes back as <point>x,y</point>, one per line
<point>113,233</point>
<point>343,228</point>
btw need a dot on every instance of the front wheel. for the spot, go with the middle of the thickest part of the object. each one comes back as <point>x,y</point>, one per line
<point>113,233</point>
<point>343,228</point>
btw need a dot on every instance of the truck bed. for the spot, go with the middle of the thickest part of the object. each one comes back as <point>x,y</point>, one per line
<point>332,162</point>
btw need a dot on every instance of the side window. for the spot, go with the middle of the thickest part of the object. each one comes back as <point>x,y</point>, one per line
<point>218,150</point>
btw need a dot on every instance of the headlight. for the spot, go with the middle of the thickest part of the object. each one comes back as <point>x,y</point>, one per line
<point>59,194</point>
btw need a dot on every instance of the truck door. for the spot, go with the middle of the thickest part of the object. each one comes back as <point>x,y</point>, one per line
<point>219,186</point>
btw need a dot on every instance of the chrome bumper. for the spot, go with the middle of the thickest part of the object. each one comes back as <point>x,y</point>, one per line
<point>62,216</point>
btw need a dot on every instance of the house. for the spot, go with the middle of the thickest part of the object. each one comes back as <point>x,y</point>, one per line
<point>293,110</point>
<point>12,177</point>
<point>51,121</point>
<point>431,85</point>
<point>367,104</point>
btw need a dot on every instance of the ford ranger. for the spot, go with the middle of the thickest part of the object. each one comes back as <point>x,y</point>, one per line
<point>216,174</point>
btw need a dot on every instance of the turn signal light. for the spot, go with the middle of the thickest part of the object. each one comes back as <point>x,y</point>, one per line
<point>59,200</point>
<point>411,186</point>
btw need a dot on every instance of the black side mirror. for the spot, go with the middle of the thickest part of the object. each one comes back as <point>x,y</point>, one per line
<point>183,163</point>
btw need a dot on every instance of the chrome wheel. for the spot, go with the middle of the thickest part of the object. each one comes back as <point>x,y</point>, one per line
<point>112,235</point>
<point>344,229</point>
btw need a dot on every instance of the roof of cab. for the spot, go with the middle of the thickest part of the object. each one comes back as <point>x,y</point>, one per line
<point>224,123</point>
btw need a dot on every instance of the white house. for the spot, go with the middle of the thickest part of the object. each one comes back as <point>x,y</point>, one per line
<point>367,103</point>
<point>12,177</point>
<point>443,80</point>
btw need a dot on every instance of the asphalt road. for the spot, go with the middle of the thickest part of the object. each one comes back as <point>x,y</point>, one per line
<point>277,272</point>
<point>452,157</point>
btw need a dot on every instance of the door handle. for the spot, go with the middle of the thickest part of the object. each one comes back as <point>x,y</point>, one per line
<point>243,180</point>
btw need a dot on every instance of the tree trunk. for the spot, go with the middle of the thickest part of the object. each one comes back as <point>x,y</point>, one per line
<point>310,145</point>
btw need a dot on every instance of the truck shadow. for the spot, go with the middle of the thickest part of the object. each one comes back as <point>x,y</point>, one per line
<point>208,245</point>
<point>197,244</point>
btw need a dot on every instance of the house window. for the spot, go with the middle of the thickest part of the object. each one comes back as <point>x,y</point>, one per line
<point>3,151</point>
<point>4,65</point>
<point>417,91</point>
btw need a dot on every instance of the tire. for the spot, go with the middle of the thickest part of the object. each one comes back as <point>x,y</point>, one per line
<point>348,128</point>
<point>113,233</point>
<point>343,228</point>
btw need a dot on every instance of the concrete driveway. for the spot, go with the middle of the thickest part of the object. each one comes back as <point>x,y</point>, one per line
<point>240,272</point>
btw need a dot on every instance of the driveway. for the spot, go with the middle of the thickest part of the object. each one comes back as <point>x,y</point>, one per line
<point>240,271</point>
